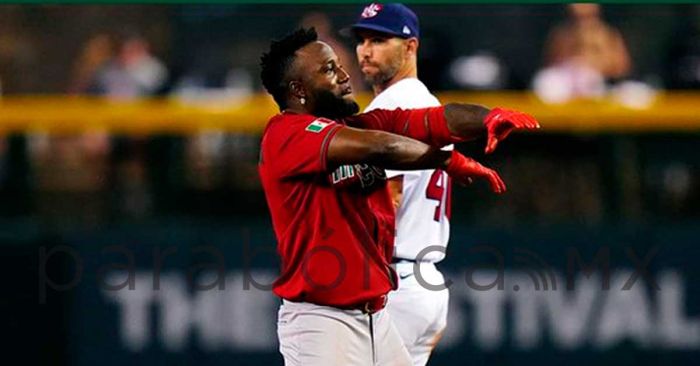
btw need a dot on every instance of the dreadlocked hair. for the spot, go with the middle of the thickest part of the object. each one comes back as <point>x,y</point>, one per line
<point>276,62</point>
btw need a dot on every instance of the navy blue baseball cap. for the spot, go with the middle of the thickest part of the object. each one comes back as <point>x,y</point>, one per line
<point>393,18</point>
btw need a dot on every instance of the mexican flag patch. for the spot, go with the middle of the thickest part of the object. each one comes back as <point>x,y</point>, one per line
<point>316,126</point>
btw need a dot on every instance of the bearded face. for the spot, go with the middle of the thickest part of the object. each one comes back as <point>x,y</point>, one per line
<point>381,56</point>
<point>325,82</point>
<point>332,106</point>
<point>383,70</point>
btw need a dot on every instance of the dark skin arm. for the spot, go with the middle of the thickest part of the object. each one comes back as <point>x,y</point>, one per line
<point>383,149</point>
<point>351,146</point>
<point>466,120</point>
<point>450,124</point>
<point>469,121</point>
<point>391,151</point>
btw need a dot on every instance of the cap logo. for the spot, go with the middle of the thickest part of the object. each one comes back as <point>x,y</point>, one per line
<point>406,30</point>
<point>371,10</point>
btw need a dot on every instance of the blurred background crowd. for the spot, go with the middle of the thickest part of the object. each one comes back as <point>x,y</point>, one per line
<point>189,50</point>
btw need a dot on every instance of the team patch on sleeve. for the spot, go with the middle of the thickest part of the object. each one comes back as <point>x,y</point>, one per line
<point>317,126</point>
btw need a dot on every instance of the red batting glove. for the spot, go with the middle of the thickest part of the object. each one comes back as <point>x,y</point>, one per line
<point>500,122</point>
<point>463,169</point>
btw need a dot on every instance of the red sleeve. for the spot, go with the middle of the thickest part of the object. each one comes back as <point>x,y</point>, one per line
<point>427,124</point>
<point>298,146</point>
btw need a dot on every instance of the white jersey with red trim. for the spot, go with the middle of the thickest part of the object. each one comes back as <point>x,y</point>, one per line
<point>423,218</point>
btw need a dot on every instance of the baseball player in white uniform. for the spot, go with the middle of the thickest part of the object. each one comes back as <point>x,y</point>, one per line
<point>387,44</point>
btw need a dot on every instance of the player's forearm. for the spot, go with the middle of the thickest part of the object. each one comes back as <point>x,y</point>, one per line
<point>383,149</point>
<point>458,122</point>
<point>403,153</point>
<point>465,121</point>
<point>407,154</point>
<point>440,126</point>
<point>436,126</point>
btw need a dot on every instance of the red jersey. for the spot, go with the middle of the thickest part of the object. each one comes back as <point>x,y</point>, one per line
<point>336,245</point>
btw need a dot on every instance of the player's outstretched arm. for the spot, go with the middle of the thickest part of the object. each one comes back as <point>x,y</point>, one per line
<point>391,151</point>
<point>468,120</point>
<point>452,123</point>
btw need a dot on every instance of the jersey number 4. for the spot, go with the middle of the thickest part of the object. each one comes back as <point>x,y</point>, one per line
<point>440,181</point>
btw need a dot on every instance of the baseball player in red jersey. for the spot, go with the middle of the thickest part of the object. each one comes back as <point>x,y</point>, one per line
<point>335,242</point>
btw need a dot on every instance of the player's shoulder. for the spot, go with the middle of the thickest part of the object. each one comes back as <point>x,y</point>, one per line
<point>286,123</point>
<point>283,127</point>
